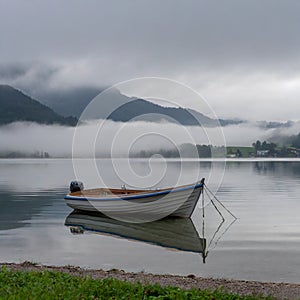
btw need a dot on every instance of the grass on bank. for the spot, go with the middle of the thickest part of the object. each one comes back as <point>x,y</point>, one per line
<point>245,151</point>
<point>59,285</point>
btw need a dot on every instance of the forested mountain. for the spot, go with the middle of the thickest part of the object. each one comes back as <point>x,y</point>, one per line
<point>114,105</point>
<point>140,109</point>
<point>67,102</point>
<point>16,106</point>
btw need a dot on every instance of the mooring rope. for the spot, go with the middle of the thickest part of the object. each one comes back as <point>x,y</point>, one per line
<point>211,197</point>
<point>214,196</point>
<point>215,206</point>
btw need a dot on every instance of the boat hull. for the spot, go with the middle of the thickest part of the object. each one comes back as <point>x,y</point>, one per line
<point>142,206</point>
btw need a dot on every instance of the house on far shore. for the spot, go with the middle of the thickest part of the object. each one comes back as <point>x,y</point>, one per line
<point>262,153</point>
<point>295,151</point>
<point>233,152</point>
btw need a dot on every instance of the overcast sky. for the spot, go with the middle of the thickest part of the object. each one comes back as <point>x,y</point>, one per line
<point>242,56</point>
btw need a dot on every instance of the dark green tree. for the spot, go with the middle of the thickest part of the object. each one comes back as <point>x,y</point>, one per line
<point>296,141</point>
<point>257,145</point>
<point>239,153</point>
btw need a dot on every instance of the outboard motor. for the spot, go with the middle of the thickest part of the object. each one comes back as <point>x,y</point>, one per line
<point>76,186</point>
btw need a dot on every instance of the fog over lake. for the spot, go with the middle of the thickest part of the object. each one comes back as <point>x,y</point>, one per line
<point>57,140</point>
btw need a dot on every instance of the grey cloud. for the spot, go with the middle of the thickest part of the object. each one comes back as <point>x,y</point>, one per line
<point>218,47</point>
<point>193,33</point>
<point>11,71</point>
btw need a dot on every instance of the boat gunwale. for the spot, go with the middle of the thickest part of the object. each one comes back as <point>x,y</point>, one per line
<point>136,196</point>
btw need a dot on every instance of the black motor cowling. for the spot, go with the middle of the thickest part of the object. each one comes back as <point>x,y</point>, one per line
<point>76,186</point>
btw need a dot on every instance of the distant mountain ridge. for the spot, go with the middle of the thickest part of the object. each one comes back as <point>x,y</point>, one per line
<point>120,108</point>
<point>16,106</point>
<point>142,110</point>
<point>67,102</point>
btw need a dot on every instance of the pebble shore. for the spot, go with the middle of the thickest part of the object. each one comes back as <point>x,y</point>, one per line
<point>241,287</point>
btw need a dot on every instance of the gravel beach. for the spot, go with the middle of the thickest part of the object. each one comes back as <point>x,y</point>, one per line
<point>277,290</point>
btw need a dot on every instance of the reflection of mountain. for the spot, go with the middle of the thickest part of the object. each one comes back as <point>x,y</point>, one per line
<point>175,233</point>
<point>17,208</point>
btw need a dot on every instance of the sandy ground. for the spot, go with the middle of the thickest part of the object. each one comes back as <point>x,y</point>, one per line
<point>277,290</point>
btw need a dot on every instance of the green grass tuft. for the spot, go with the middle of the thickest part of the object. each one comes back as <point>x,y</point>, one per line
<point>59,285</point>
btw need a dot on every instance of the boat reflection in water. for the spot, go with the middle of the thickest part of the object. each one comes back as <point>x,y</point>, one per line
<point>171,232</point>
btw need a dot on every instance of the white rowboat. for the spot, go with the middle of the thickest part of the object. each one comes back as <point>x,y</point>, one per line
<point>136,205</point>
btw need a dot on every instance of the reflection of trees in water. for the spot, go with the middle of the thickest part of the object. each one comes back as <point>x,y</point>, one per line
<point>17,208</point>
<point>262,167</point>
<point>277,168</point>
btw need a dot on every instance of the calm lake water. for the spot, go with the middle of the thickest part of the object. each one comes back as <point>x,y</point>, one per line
<point>263,244</point>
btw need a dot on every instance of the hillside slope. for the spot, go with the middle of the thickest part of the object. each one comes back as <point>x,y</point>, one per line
<point>140,109</point>
<point>16,106</point>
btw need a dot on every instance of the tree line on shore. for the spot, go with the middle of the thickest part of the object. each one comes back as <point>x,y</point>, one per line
<point>290,148</point>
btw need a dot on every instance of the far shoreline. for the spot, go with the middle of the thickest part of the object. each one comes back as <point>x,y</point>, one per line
<point>187,159</point>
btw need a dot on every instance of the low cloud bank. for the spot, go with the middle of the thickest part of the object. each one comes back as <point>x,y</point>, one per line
<point>108,138</point>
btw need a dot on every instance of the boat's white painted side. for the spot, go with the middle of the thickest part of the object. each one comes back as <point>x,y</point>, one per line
<point>179,202</point>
